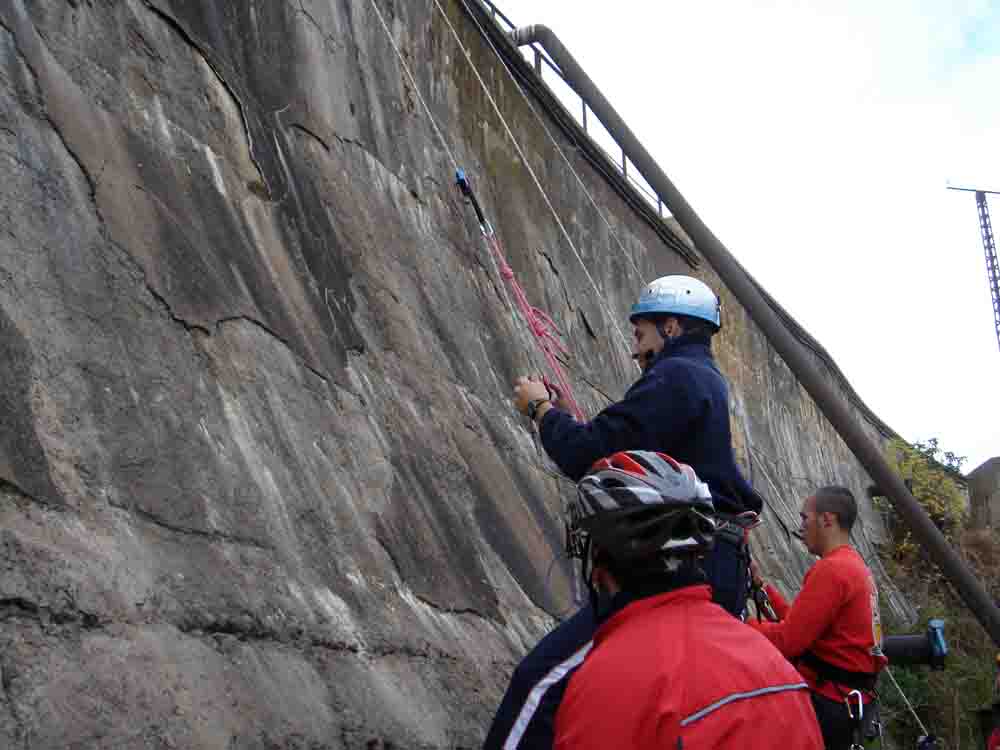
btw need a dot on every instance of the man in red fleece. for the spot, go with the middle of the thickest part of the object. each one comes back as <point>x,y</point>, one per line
<point>668,669</point>
<point>832,632</point>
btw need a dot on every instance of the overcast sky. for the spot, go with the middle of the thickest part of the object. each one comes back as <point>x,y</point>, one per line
<point>816,139</point>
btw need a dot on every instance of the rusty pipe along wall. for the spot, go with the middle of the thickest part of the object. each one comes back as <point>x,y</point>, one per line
<point>743,287</point>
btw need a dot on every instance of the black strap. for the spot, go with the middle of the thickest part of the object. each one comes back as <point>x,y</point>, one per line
<point>827,672</point>
<point>731,533</point>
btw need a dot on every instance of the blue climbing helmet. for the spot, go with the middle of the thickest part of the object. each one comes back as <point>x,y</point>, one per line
<point>678,295</point>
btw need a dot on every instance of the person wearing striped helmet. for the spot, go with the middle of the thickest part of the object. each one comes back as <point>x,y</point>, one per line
<point>667,668</point>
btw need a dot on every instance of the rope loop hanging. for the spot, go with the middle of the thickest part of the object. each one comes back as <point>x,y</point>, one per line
<point>538,322</point>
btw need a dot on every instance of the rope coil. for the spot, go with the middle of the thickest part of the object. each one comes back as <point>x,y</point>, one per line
<point>537,321</point>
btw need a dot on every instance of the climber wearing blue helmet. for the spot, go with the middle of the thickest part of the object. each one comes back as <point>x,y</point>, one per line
<point>670,307</point>
<point>679,406</point>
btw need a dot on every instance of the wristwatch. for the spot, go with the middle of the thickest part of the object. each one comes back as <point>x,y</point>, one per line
<point>533,407</point>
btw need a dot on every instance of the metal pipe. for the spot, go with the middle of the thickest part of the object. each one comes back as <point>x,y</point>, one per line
<point>928,648</point>
<point>830,402</point>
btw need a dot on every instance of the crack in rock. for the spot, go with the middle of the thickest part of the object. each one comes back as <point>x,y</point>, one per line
<point>552,264</point>
<point>312,133</point>
<point>451,610</point>
<point>19,608</point>
<point>586,324</point>
<point>329,41</point>
<point>179,29</point>
<point>185,324</point>
<point>598,389</point>
<point>244,627</point>
<point>6,684</point>
<point>218,324</point>
<point>247,628</point>
<point>20,497</point>
<point>280,339</point>
<point>217,536</point>
<point>562,283</point>
<point>365,149</point>
<point>24,57</point>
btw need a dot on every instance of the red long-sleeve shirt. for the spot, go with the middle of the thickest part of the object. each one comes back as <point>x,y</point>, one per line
<point>676,671</point>
<point>835,616</point>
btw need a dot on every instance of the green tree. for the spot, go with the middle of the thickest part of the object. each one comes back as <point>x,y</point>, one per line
<point>932,475</point>
<point>946,701</point>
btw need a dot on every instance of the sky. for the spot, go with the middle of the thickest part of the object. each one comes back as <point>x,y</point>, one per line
<point>817,140</point>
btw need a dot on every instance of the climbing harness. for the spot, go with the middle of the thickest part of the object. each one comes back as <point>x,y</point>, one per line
<point>734,530</point>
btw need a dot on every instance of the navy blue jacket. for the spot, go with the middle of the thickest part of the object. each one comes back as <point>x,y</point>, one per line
<point>680,406</point>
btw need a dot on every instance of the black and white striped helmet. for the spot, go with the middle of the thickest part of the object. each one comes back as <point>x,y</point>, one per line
<point>637,505</point>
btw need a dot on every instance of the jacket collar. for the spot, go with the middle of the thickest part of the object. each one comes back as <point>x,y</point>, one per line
<point>688,343</point>
<point>632,607</point>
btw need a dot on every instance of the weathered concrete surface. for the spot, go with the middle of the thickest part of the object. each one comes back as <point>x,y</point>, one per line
<point>984,494</point>
<point>260,482</point>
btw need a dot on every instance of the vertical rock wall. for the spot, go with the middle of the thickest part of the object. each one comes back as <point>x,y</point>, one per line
<point>260,482</point>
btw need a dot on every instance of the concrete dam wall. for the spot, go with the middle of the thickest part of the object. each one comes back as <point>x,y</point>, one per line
<point>261,484</point>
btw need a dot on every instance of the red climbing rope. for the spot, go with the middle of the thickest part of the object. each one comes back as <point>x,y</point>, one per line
<point>540,323</point>
<point>543,328</point>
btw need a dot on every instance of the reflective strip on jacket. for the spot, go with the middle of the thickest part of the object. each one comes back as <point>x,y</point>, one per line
<point>676,671</point>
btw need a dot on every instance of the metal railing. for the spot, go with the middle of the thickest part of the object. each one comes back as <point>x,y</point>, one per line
<point>577,107</point>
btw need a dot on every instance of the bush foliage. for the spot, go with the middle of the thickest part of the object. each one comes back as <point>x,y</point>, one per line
<point>946,702</point>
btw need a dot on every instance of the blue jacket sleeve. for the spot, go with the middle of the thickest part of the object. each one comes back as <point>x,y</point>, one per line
<point>661,403</point>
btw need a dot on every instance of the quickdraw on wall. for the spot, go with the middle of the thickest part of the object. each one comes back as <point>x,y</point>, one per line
<point>538,322</point>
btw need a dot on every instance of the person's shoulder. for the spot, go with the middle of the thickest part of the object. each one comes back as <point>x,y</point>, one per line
<point>732,645</point>
<point>831,566</point>
<point>846,556</point>
<point>843,564</point>
<point>674,368</point>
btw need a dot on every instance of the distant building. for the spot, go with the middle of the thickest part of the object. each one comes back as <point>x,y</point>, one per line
<point>984,494</point>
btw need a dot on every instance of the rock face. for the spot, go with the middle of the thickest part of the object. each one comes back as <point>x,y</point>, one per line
<point>261,485</point>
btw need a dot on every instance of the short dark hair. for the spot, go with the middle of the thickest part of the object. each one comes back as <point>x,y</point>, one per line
<point>839,501</point>
<point>654,574</point>
<point>690,324</point>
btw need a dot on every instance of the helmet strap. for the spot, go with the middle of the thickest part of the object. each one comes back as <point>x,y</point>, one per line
<point>599,602</point>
